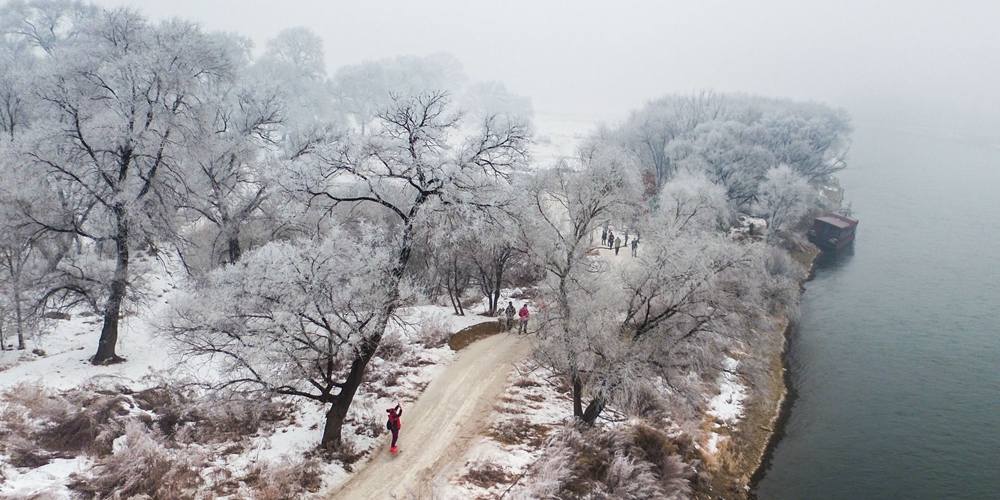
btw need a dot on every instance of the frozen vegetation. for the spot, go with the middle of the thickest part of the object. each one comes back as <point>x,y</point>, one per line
<point>217,270</point>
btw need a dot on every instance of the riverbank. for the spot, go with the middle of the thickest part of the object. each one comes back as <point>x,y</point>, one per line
<point>735,471</point>
<point>740,463</point>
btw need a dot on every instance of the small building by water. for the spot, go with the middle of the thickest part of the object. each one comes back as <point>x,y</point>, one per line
<point>831,231</point>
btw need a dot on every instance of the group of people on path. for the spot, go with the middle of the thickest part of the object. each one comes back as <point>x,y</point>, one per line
<point>608,238</point>
<point>523,315</point>
<point>393,423</point>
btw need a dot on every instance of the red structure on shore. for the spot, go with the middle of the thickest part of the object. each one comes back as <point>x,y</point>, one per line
<point>831,231</point>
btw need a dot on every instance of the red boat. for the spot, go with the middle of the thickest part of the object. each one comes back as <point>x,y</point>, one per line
<point>831,231</point>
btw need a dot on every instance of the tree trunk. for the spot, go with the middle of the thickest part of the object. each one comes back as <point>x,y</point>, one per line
<point>594,410</point>
<point>338,410</point>
<point>234,248</point>
<point>458,291</point>
<point>577,397</point>
<point>112,310</point>
<point>342,403</point>
<point>20,319</point>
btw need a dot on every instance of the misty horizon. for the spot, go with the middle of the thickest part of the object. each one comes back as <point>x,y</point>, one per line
<point>920,64</point>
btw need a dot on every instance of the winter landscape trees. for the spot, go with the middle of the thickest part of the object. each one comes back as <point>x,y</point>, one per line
<point>399,183</point>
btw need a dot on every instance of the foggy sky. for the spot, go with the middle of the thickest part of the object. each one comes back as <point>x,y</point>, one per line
<point>910,59</point>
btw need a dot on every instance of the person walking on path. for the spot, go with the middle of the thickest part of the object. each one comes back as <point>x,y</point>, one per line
<point>604,237</point>
<point>394,424</point>
<point>626,237</point>
<point>509,312</point>
<point>523,313</point>
<point>618,245</point>
<point>635,246</point>
<point>611,239</point>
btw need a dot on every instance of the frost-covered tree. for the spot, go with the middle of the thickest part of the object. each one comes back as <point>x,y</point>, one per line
<point>366,89</point>
<point>484,99</point>
<point>396,177</point>
<point>227,185</point>
<point>784,198</point>
<point>294,63</point>
<point>290,318</point>
<point>690,202</point>
<point>734,139</point>
<point>16,99</point>
<point>48,25</point>
<point>121,111</point>
<point>568,206</point>
<point>493,254</point>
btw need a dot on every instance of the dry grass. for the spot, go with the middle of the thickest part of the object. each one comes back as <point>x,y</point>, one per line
<point>519,430</point>
<point>285,480</point>
<point>487,473</point>
<point>734,466</point>
<point>144,468</point>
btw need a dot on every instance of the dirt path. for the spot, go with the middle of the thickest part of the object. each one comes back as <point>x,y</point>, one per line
<point>438,427</point>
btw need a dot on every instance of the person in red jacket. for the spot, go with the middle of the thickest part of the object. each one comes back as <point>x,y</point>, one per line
<point>393,424</point>
<point>523,313</point>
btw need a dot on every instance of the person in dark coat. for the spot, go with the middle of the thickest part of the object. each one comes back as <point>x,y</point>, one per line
<point>510,312</point>
<point>604,237</point>
<point>394,424</point>
<point>635,246</point>
<point>611,239</point>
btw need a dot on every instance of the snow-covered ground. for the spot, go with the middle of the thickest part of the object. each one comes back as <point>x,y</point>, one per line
<point>61,362</point>
<point>509,442</point>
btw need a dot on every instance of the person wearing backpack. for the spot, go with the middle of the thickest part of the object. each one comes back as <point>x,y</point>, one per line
<point>393,424</point>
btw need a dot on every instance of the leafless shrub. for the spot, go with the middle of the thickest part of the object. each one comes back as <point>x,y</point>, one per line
<point>637,462</point>
<point>91,428</point>
<point>518,430</point>
<point>144,468</point>
<point>285,480</point>
<point>435,331</point>
<point>368,421</point>
<point>39,424</point>
<point>393,347</point>
<point>525,381</point>
<point>486,472</point>
<point>347,453</point>
<point>210,418</point>
<point>393,376</point>
<point>414,360</point>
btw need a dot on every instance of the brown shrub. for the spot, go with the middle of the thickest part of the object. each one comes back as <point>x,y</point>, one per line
<point>144,467</point>
<point>39,424</point>
<point>392,347</point>
<point>629,462</point>
<point>517,430</point>
<point>285,480</point>
<point>486,473</point>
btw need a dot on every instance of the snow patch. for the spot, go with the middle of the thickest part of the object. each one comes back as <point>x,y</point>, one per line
<point>727,406</point>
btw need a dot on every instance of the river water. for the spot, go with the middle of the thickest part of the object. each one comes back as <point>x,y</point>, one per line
<point>896,360</point>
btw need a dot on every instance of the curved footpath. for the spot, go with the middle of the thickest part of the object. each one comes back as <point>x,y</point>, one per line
<point>438,427</point>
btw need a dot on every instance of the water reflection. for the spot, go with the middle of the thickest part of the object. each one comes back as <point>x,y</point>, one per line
<point>835,259</point>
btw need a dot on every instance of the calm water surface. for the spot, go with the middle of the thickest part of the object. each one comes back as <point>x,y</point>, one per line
<point>896,360</point>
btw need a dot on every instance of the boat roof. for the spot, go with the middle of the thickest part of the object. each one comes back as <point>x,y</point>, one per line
<point>837,220</point>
